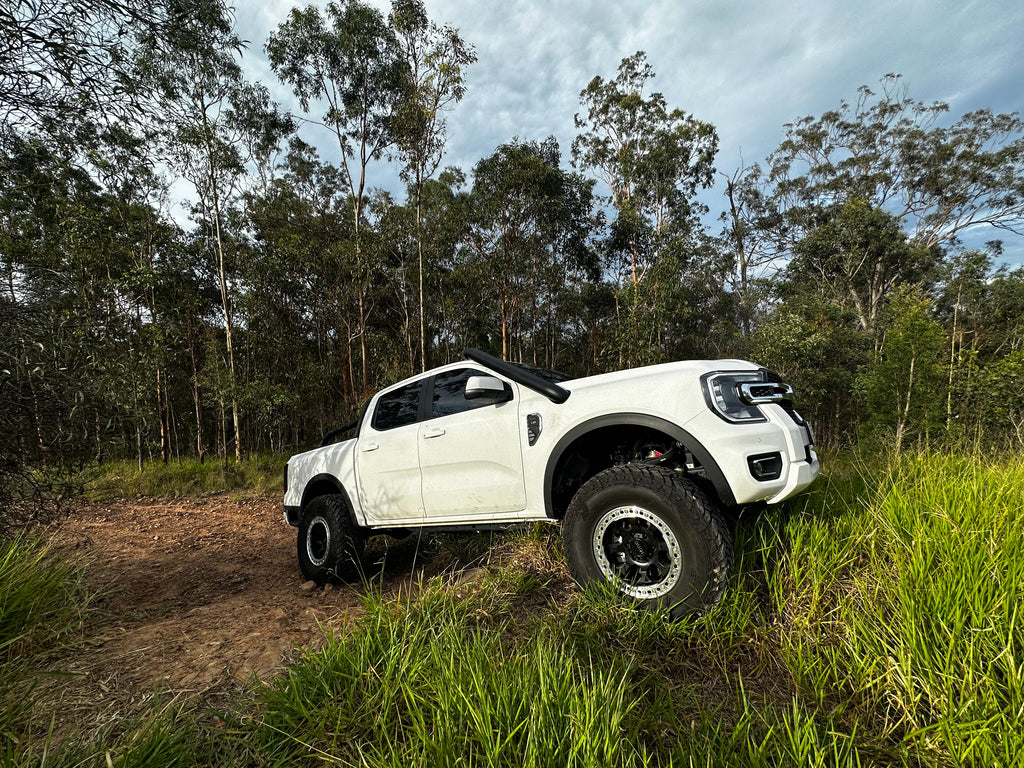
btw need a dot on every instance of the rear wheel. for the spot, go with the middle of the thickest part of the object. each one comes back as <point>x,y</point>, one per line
<point>653,534</point>
<point>330,546</point>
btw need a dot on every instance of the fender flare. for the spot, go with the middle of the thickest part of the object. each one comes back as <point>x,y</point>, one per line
<point>328,478</point>
<point>714,472</point>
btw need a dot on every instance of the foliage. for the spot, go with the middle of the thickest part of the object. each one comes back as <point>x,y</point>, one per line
<point>857,258</point>
<point>40,597</point>
<point>994,398</point>
<point>434,59</point>
<point>42,601</point>
<point>64,62</point>
<point>653,161</point>
<point>819,349</point>
<point>892,152</point>
<point>123,479</point>
<point>290,289</point>
<point>528,230</point>
<point>903,600</point>
<point>903,389</point>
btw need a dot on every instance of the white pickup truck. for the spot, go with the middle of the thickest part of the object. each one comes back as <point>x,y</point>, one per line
<point>638,465</point>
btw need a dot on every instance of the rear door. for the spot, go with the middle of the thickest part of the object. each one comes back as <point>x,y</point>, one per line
<point>470,455</point>
<point>387,456</point>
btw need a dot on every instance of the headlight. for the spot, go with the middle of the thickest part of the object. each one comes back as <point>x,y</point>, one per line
<point>736,395</point>
<point>723,395</point>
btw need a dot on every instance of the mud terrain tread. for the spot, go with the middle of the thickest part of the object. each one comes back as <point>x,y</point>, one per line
<point>686,496</point>
<point>345,563</point>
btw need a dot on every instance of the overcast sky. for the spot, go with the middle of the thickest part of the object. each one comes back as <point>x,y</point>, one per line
<point>746,67</point>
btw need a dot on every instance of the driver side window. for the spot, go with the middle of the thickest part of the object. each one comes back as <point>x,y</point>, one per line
<point>450,393</point>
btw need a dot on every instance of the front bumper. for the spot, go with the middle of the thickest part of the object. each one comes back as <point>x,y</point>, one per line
<point>801,475</point>
<point>735,446</point>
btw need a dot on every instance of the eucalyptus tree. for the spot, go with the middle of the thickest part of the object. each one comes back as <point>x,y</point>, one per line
<point>298,275</point>
<point>430,233</point>
<point>72,307</point>
<point>64,61</point>
<point>747,242</point>
<point>857,257</point>
<point>528,228</point>
<point>903,388</point>
<point>895,153</point>
<point>653,160</point>
<point>348,60</point>
<point>979,306</point>
<point>435,58</point>
<point>215,123</point>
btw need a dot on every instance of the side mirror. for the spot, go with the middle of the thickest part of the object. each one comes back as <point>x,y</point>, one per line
<point>487,390</point>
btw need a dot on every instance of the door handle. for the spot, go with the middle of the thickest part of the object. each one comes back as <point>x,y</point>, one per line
<point>435,432</point>
<point>367,447</point>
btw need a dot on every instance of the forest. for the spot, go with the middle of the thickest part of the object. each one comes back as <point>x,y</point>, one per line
<point>293,286</point>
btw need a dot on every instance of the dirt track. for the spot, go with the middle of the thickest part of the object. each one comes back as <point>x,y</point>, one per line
<point>195,595</point>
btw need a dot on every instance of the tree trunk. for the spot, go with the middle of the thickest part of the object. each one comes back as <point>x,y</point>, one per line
<point>902,423</point>
<point>165,446</point>
<point>419,247</point>
<point>224,298</point>
<point>196,396</point>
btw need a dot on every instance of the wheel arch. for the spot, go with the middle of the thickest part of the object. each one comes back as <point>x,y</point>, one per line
<point>716,478</point>
<point>322,485</point>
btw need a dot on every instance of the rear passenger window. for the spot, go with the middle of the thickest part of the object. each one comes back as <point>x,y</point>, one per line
<point>398,407</point>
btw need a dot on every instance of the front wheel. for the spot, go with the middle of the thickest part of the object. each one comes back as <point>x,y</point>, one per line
<point>653,534</point>
<point>330,546</point>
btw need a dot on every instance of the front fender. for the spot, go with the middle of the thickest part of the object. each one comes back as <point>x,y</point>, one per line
<point>714,472</point>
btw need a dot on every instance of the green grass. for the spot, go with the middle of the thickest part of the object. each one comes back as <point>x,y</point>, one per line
<point>904,605</point>
<point>41,602</point>
<point>40,597</point>
<point>425,682</point>
<point>190,477</point>
<point>873,621</point>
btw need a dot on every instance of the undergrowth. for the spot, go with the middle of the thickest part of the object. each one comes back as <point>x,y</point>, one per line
<point>872,621</point>
<point>41,601</point>
<point>188,477</point>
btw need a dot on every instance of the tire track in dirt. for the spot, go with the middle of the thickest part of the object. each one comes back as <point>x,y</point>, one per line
<point>196,595</point>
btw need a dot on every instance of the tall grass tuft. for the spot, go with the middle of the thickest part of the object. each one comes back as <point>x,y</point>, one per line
<point>41,597</point>
<point>41,600</point>
<point>902,606</point>
<point>421,682</point>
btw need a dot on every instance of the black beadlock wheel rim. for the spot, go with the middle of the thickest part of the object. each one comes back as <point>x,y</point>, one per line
<point>636,550</point>
<point>318,541</point>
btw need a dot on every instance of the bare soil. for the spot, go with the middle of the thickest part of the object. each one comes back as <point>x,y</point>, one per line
<point>196,596</point>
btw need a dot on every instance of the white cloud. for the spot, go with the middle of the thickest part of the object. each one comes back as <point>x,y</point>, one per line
<point>746,67</point>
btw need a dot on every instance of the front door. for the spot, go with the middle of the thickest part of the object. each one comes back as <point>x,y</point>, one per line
<point>471,460</point>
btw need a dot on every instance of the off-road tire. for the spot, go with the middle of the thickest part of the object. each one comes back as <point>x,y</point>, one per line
<point>654,534</point>
<point>330,546</point>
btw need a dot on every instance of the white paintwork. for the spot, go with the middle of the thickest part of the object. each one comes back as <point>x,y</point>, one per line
<point>477,466</point>
<point>388,472</point>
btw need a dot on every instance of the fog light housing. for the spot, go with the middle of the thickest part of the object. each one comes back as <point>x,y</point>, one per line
<point>765,466</point>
